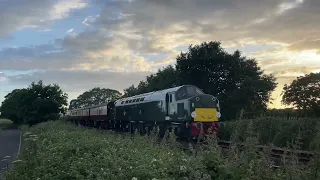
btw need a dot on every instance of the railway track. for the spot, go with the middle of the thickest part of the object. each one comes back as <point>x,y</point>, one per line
<point>277,154</point>
<point>303,156</point>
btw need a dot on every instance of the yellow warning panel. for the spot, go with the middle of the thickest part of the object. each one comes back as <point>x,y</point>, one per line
<point>206,115</point>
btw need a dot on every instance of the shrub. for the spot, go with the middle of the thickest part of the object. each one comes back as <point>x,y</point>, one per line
<point>278,131</point>
<point>56,150</point>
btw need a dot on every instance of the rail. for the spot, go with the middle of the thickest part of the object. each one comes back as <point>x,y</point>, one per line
<point>303,156</point>
<point>277,154</point>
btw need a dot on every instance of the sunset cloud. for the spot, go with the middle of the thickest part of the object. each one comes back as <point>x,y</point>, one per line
<point>134,38</point>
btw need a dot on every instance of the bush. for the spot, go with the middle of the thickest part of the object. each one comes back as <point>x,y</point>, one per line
<point>55,150</point>
<point>278,131</point>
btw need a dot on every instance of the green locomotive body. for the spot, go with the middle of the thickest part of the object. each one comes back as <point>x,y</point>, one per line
<point>182,109</point>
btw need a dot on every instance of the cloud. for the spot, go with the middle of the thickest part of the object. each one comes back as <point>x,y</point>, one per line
<point>20,14</point>
<point>312,44</point>
<point>61,9</point>
<point>168,24</point>
<point>70,30</point>
<point>47,56</point>
<point>295,71</point>
<point>89,20</point>
<point>89,50</point>
<point>127,31</point>
<point>122,37</point>
<point>2,77</point>
<point>75,82</point>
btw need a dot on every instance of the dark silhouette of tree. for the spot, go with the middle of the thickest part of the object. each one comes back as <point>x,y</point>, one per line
<point>163,79</point>
<point>10,107</point>
<point>35,104</point>
<point>237,81</point>
<point>94,96</point>
<point>130,91</point>
<point>304,94</point>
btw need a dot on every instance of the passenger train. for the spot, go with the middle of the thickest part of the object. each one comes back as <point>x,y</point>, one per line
<point>184,109</point>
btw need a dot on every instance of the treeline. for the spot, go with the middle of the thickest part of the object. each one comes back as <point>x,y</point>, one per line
<point>242,87</point>
<point>34,104</point>
<point>238,82</point>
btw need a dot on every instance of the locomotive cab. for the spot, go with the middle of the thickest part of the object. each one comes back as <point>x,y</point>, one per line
<point>197,109</point>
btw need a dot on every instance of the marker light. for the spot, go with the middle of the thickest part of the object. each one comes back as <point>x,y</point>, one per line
<point>193,114</point>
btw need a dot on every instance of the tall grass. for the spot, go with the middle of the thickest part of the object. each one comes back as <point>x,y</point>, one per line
<point>273,130</point>
<point>56,150</point>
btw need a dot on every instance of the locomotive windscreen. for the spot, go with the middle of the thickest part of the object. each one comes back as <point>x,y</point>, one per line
<point>188,91</point>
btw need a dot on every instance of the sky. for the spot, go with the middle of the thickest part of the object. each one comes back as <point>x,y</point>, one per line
<point>82,44</point>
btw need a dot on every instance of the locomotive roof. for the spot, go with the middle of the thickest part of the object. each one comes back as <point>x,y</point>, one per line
<point>88,107</point>
<point>150,96</point>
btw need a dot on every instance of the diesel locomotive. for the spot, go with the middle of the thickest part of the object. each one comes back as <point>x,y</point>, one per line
<point>184,109</point>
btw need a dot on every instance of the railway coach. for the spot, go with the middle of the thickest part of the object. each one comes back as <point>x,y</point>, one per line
<point>184,109</point>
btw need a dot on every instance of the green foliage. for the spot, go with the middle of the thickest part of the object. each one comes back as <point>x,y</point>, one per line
<point>237,81</point>
<point>94,96</point>
<point>55,150</point>
<point>163,79</point>
<point>303,93</point>
<point>11,106</point>
<point>276,130</point>
<point>37,103</point>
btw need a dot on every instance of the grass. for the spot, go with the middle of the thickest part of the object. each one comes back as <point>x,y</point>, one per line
<point>56,150</point>
<point>274,130</point>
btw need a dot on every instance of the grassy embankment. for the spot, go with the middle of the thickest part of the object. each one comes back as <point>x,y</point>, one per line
<point>55,150</point>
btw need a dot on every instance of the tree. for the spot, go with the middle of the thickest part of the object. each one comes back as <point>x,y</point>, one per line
<point>304,93</point>
<point>237,81</point>
<point>11,106</point>
<point>130,91</point>
<point>163,79</point>
<point>35,104</point>
<point>94,96</point>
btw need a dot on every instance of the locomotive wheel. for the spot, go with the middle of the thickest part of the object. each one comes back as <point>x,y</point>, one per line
<point>131,128</point>
<point>162,130</point>
<point>142,129</point>
<point>150,128</point>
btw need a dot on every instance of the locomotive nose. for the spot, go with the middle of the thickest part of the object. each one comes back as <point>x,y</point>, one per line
<point>205,108</point>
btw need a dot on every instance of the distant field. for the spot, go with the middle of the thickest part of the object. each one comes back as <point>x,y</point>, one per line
<point>4,123</point>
